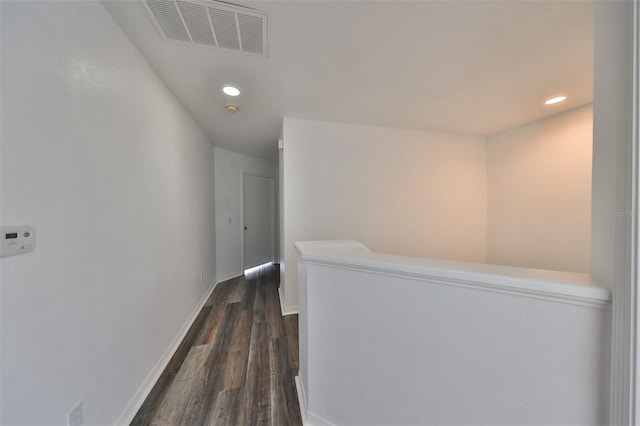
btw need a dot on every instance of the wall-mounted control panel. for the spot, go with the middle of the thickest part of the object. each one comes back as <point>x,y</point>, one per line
<point>17,240</point>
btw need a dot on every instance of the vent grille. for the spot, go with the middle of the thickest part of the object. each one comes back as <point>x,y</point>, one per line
<point>251,26</point>
<point>168,18</point>
<point>224,23</point>
<point>211,23</point>
<point>195,16</point>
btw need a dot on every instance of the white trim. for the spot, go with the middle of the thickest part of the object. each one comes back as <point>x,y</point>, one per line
<point>147,385</point>
<point>242,220</point>
<point>634,325</point>
<point>286,310</point>
<point>315,420</point>
<point>290,310</point>
<point>634,227</point>
<point>599,300</point>
<point>625,362</point>
<point>308,417</point>
<point>281,299</point>
<point>548,285</point>
<point>230,276</point>
<point>302,399</point>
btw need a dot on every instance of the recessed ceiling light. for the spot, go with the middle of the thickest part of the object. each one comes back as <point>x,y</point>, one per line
<point>555,100</point>
<point>230,90</point>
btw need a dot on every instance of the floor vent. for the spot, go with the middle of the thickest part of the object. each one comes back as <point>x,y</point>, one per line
<point>211,23</point>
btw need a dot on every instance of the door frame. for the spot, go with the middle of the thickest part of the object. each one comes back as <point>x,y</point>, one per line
<point>271,209</point>
<point>625,342</point>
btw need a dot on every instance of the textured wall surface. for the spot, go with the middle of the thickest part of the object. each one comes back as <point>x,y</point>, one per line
<point>539,193</point>
<point>399,191</point>
<point>382,348</point>
<point>118,182</point>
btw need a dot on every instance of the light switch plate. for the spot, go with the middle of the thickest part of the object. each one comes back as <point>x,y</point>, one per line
<point>17,240</point>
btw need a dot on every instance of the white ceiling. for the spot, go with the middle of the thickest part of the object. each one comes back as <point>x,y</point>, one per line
<point>477,67</point>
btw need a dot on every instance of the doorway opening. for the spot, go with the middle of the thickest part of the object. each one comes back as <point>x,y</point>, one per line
<point>257,221</point>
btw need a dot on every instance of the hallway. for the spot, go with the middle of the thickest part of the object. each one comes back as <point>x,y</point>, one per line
<point>236,365</point>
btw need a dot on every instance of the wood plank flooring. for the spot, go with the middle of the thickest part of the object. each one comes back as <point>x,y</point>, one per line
<point>236,365</point>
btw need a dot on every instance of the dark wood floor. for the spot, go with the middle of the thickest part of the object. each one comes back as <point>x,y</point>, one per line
<point>236,366</point>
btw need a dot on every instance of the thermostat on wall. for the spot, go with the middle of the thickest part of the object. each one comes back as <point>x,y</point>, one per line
<point>17,240</point>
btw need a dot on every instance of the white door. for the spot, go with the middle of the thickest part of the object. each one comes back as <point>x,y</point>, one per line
<point>257,215</point>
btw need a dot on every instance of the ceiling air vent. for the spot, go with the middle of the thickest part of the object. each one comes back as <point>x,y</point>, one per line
<point>211,23</point>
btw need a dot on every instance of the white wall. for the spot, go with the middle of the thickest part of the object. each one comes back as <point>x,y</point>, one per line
<point>398,191</point>
<point>539,193</point>
<point>117,180</point>
<point>395,341</point>
<point>229,167</point>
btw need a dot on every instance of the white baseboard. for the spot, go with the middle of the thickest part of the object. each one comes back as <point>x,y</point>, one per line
<point>229,276</point>
<point>308,418</point>
<point>147,385</point>
<point>290,310</point>
<point>302,399</point>
<point>313,420</point>
<point>286,310</point>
